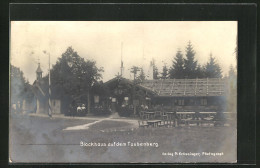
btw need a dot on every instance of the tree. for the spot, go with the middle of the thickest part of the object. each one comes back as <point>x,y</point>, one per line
<point>134,70</point>
<point>232,90</point>
<point>155,73</point>
<point>236,49</point>
<point>20,88</point>
<point>155,70</point>
<point>200,71</point>
<point>177,69</point>
<point>141,76</point>
<point>17,83</point>
<point>190,64</point>
<point>100,89</point>
<point>213,70</point>
<point>73,77</point>
<point>164,74</point>
<point>231,72</point>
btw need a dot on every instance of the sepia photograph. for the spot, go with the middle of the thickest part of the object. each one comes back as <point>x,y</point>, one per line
<point>123,92</point>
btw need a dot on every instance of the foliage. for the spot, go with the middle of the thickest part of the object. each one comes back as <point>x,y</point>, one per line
<point>232,90</point>
<point>72,77</point>
<point>212,69</point>
<point>231,72</point>
<point>99,89</point>
<point>164,74</point>
<point>236,49</point>
<point>134,70</point>
<point>141,76</point>
<point>190,64</point>
<point>177,69</point>
<point>200,71</point>
<point>188,67</point>
<point>155,70</point>
<point>20,88</point>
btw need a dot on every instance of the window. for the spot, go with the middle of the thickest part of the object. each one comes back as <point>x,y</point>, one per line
<point>181,102</point>
<point>203,102</point>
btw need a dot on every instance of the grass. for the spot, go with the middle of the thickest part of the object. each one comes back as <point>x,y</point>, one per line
<point>64,145</point>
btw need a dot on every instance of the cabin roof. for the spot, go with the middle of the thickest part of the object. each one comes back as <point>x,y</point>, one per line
<point>181,87</point>
<point>186,87</point>
<point>119,78</point>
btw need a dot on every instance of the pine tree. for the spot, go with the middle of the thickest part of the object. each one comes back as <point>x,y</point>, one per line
<point>236,49</point>
<point>134,70</point>
<point>141,76</point>
<point>232,90</point>
<point>200,71</point>
<point>177,69</point>
<point>164,74</point>
<point>231,72</point>
<point>155,70</point>
<point>213,70</point>
<point>190,64</point>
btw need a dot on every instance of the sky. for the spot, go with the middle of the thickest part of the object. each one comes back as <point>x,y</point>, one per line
<point>137,42</point>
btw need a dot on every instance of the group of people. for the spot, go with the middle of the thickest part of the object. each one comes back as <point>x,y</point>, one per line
<point>77,110</point>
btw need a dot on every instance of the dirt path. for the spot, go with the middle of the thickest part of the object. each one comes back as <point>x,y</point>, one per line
<point>84,126</point>
<point>134,123</point>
